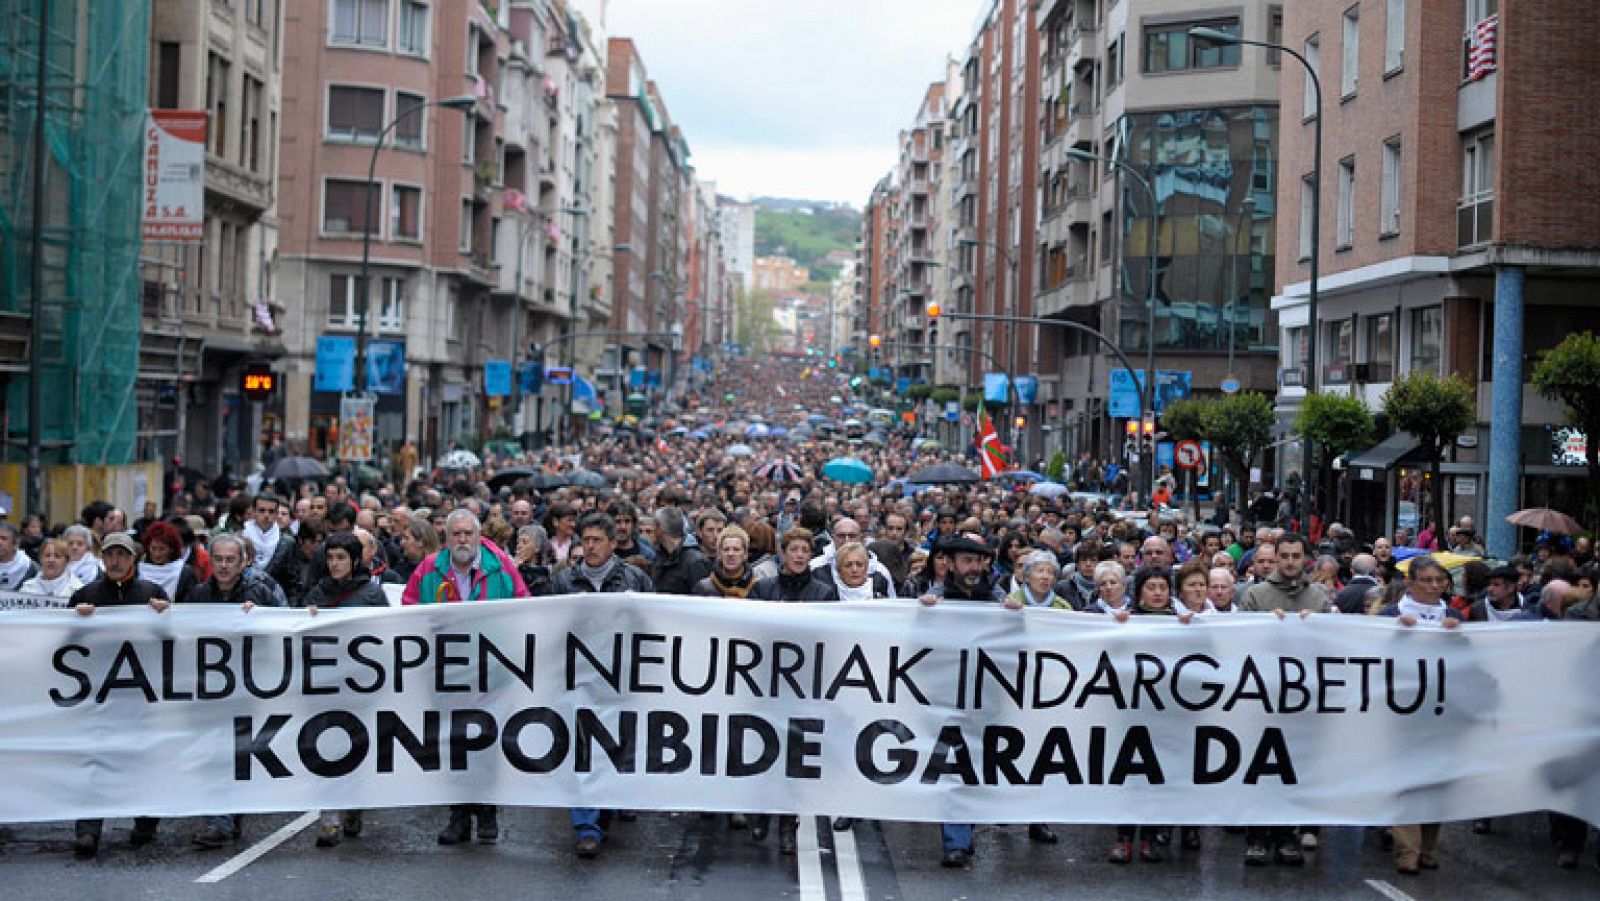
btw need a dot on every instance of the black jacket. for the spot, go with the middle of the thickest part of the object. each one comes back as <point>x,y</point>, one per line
<point>103,592</point>
<point>677,572</point>
<point>622,578</point>
<point>285,566</point>
<point>1353,597</point>
<point>538,579</point>
<point>255,592</point>
<point>706,588</point>
<point>791,588</point>
<point>357,591</point>
<point>826,575</point>
<point>987,590</point>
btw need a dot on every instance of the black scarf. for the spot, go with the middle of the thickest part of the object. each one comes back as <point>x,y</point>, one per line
<point>732,586</point>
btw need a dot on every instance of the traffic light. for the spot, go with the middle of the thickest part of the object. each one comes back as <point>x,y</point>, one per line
<point>1021,423</point>
<point>933,323</point>
<point>833,362</point>
<point>531,378</point>
<point>875,341</point>
<point>1148,438</point>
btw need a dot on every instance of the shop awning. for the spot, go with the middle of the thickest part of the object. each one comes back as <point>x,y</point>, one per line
<point>1385,455</point>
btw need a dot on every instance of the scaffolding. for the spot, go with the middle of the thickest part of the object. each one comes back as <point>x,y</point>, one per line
<point>95,101</point>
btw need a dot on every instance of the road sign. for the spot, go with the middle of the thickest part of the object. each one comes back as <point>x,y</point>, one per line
<point>1189,455</point>
<point>558,375</point>
<point>1230,385</point>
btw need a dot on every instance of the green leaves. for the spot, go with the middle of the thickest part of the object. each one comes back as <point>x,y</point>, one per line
<point>1239,426</point>
<point>1570,373</point>
<point>1336,423</point>
<point>1436,409</point>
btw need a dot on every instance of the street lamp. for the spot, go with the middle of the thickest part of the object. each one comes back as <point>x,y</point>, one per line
<point>459,102</point>
<point>1222,37</point>
<point>1152,238</point>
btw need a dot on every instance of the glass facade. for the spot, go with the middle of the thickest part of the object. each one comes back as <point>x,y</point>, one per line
<point>1214,252</point>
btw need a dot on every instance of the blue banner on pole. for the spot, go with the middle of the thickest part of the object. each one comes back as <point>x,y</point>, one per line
<point>386,366</point>
<point>497,378</point>
<point>636,377</point>
<point>1027,389</point>
<point>901,384</point>
<point>996,388</point>
<point>336,364</point>
<point>1171,385</point>
<point>531,375</point>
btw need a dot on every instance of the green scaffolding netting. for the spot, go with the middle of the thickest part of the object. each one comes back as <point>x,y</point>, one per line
<point>95,101</point>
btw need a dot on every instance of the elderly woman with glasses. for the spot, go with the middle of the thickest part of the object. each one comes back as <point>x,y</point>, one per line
<point>1036,584</point>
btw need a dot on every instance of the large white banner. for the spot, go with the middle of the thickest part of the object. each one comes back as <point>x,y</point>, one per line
<point>174,175</point>
<point>964,713</point>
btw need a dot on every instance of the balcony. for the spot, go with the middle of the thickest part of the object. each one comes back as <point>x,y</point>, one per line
<point>1081,124</point>
<point>1074,293</point>
<point>1081,46</point>
<point>234,182</point>
<point>918,186</point>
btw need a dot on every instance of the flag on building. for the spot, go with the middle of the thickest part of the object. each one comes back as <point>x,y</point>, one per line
<point>1481,53</point>
<point>991,456</point>
<point>513,199</point>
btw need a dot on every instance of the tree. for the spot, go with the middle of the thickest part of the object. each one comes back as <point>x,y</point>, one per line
<point>1335,424</point>
<point>1435,409</point>
<point>1056,469</point>
<point>1570,373</point>
<point>1239,428</point>
<point>758,330</point>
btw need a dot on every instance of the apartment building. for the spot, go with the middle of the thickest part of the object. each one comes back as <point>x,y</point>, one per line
<point>1198,123</point>
<point>916,179</point>
<point>212,307</point>
<point>1457,233</point>
<point>780,276</point>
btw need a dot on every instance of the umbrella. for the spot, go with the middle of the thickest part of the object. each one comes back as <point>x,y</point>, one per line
<point>926,444</point>
<point>757,430</point>
<point>943,474</point>
<point>1020,475</point>
<point>699,434</point>
<point>875,438</point>
<point>460,459</point>
<point>740,450</point>
<point>777,431</point>
<point>848,469</point>
<point>779,471</point>
<point>1546,520</point>
<point>1048,489</point>
<point>368,475</point>
<point>587,478</point>
<point>544,481</point>
<point>507,477</point>
<point>679,430</point>
<point>853,424</point>
<point>293,468</point>
<point>816,418</point>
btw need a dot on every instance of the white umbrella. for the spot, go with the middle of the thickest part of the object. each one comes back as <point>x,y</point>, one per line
<point>740,450</point>
<point>460,459</point>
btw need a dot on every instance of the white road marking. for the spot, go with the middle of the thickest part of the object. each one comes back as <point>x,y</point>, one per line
<point>852,887</point>
<point>1388,891</point>
<point>809,862</point>
<point>254,852</point>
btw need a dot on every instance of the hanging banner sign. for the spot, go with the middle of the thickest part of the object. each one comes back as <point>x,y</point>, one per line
<point>955,713</point>
<point>174,198</point>
<point>355,428</point>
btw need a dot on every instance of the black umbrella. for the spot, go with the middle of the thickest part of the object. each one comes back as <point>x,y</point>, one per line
<point>295,469</point>
<point>543,481</point>
<point>508,477</point>
<point>585,478</point>
<point>943,474</point>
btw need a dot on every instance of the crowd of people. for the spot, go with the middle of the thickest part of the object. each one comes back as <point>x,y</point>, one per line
<point>692,510</point>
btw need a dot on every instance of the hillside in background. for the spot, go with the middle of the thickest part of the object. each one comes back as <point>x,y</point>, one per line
<point>806,231</point>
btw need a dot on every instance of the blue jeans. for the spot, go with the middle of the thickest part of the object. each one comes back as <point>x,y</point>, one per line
<point>586,821</point>
<point>956,836</point>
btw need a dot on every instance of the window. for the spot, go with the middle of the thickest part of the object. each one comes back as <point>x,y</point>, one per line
<point>1427,338</point>
<point>1168,48</point>
<point>409,120</point>
<point>1475,214</point>
<point>1338,350</point>
<point>354,114</point>
<point>342,205</point>
<point>392,307</point>
<point>405,213</point>
<point>1295,351</point>
<point>250,137</point>
<point>1389,201</point>
<point>255,11</point>
<point>1346,225</point>
<point>1115,52</point>
<point>1394,37</point>
<point>469,139</point>
<point>1477,11</point>
<point>472,49</point>
<point>1308,195</point>
<point>1380,348</point>
<point>1313,54</point>
<point>412,36</point>
<point>464,241</point>
<point>1350,50</point>
<point>343,301</point>
<point>1275,35</point>
<point>364,22</point>
<point>494,240</point>
<point>169,59</point>
<point>217,79</point>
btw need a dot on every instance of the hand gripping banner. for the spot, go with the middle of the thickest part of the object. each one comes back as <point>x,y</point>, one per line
<point>961,713</point>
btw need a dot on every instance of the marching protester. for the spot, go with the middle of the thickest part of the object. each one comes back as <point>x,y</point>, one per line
<point>55,578</point>
<point>83,548</point>
<point>16,567</point>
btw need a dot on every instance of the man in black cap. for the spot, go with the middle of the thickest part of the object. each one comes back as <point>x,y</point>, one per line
<point>969,575</point>
<point>1500,603</point>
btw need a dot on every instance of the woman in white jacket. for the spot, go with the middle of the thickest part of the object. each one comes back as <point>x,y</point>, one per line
<point>83,559</point>
<point>54,578</point>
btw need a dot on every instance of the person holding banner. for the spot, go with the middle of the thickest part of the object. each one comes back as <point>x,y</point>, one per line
<point>1414,845</point>
<point>1111,590</point>
<point>348,584</point>
<point>55,577</point>
<point>730,575</point>
<point>793,584</point>
<point>595,568</point>
<point>119,587</point>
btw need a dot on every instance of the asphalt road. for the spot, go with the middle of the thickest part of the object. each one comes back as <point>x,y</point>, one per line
<point>673,856</point>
